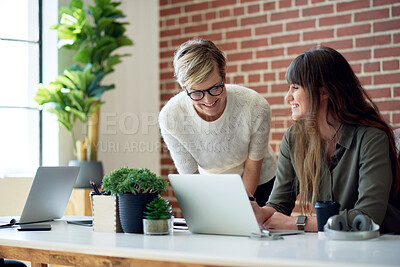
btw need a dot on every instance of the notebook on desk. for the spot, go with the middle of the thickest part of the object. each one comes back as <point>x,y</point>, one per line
<point>49,194</point>
<point>214,204</point>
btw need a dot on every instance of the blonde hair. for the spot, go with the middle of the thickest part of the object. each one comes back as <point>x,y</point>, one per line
<point>195,61</point>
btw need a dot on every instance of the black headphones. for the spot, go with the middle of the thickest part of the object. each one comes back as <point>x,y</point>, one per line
<point>7,225</point>
<point>360,223</point>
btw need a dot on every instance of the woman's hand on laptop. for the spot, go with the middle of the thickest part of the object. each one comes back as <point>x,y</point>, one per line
<point>262,213</point>
<point>280,221</point>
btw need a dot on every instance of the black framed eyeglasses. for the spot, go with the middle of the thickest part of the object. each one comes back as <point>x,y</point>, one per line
<point>213,91</point>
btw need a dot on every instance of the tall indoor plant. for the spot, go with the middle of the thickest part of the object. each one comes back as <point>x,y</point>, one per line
<point>94,33</point>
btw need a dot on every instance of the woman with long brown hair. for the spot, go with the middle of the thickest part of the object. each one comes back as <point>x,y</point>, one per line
<point>338,149</point>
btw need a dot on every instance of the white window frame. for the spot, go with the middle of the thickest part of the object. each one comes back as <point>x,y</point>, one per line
<point>47,149</point>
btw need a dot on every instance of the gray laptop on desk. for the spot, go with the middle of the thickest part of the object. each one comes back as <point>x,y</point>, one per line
<point>49,194</point>
<point>214,204</point>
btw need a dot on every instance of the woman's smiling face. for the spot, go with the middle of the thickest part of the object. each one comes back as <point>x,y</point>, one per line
<point>298,99</point>
<point>210,108</point>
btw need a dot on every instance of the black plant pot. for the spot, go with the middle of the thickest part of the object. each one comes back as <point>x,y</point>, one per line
<point>131,208</point>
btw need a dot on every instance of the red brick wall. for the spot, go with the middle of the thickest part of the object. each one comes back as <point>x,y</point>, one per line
<point>261,38</point>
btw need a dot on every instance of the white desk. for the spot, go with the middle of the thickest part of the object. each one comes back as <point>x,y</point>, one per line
<point>69,244</point>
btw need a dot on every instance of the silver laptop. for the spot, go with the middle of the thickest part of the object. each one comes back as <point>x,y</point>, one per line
<point>49,194</point>
<point>214,204</point>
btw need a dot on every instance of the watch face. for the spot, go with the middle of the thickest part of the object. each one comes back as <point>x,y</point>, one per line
<point>301,220</point>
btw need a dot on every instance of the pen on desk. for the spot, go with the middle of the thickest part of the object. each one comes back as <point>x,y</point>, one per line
<point>96,190</point>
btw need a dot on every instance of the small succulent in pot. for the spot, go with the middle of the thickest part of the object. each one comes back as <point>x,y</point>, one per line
<point>158,209</point>
<point>158,217</point>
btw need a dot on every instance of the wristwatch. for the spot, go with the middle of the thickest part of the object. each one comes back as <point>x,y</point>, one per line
<point>301,222</point>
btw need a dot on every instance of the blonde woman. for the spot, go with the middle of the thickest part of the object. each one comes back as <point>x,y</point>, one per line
<point>214,127</point>
<point>338,149</point>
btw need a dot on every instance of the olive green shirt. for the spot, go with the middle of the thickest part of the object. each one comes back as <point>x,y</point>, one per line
<point>359,177</point>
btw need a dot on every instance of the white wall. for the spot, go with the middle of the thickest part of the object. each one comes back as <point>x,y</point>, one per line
<point>13,194</point>
<point>50,63</point>
<point>129,134</point>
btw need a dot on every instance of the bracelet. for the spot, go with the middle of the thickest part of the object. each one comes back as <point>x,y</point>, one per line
<point>252,198</point>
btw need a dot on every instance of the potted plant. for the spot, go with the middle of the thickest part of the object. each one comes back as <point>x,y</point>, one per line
<point>158,217</point>
<point>69,100</point>
<point>94,33</point>
<point>135,188</point>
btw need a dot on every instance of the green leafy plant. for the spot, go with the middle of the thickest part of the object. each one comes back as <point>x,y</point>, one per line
<point>94,33</point>
<point>158,209</point>
<point>133,180</point>
<point>96,36</point>
<point>70,99</point>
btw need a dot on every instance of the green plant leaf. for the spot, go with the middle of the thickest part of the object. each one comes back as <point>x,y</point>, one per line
<point>111,61</point>
<point>83,56</point>
<point>80,79</point>
<point>49,94</point>
<point>79,114</point>
<point>68,20</point>
<point>42,95</point>
<point>158,209</point>
<point>76,4</point>
<point>103,23</point>
<point>124,41</point>
<point>99,90</point>
<point>135,181</point>
<point>77,99</point>
<point>63,118</point>
<point>65,82</point>
<point>66,35</point>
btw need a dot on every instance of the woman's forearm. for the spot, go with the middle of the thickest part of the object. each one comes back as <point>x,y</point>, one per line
<point>251,175</point>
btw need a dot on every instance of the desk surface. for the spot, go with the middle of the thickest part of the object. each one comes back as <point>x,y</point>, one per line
<point>183,247</point>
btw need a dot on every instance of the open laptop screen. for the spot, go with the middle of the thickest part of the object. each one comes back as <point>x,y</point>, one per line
<point>49,194</point>
<point>214,203</point>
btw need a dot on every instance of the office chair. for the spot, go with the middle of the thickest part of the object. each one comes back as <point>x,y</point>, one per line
<point>11,263</point>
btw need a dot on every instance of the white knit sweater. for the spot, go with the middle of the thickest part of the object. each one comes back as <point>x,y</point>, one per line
<point>223,145</point>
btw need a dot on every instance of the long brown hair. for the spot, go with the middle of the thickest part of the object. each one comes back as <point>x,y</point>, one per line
<point>348,102</point>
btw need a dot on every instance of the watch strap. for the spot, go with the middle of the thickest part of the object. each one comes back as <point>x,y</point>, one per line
<point>300,227</point>
<point>301,222</point>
